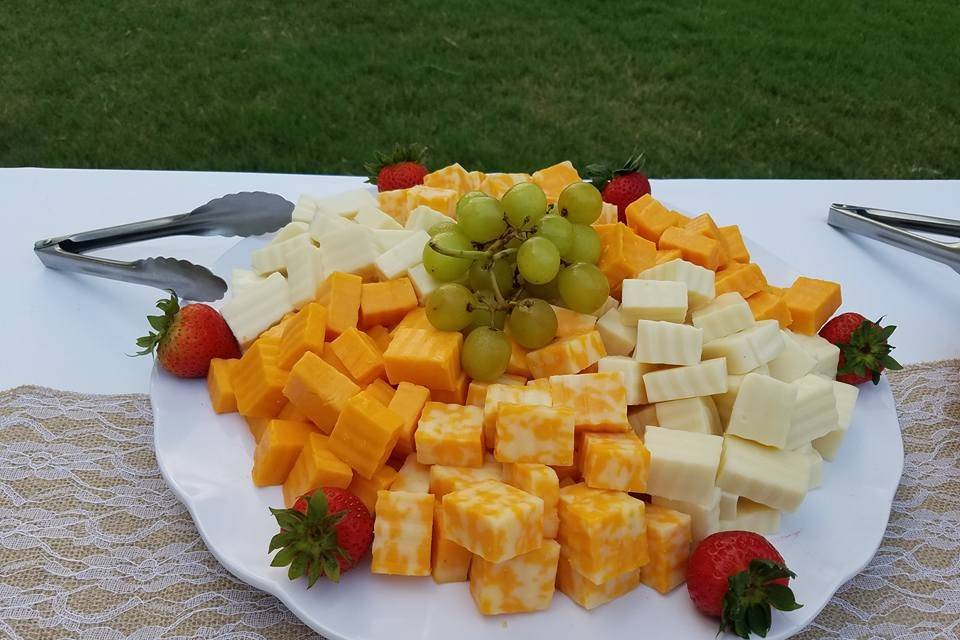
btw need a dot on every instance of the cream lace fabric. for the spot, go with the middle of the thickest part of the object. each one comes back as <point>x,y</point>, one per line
<point>94,546</point>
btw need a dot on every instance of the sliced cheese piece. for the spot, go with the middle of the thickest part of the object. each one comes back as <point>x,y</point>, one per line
<point>259,307</point>
<point>697,415</point>
<point>825,353</point>
<point>793,362</point>
<point>846,397</point>
<point>683,465</point>
<point>240,279</point>
<point>611,303</point>
<point>304,274</point>
<point>373,218</point>
<point>660,342</point>
<point>347,203</point>
<point>274,257</point>
<point>763,409</point>
<point>653,300</point>
<point>774,477</point>
<point>350,250</point>
<point>305,209</point>
<point>705,379</point>
<point>619,338</point>
<point>397,261</point>
<point>725,315</point>
<point>322,225</point>
<point>699,281</point>
<point>747,349</point>
<point>814,413</point>
<point>632,375</point>
<point>598,400</point>
<point>704,516</point>
<point>423,218</point>
<point>289,230</point>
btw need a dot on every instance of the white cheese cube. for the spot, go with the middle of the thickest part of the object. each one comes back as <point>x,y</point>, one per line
<point>814,412</point>
<point>611,303</point>
<point>824,352</point>
<point>303,274</point>
<point>793,362</point>
<point>632,375</point>
<point>350,250</point>
<point>240,279</point>
<point>423,283</point>
<point>766,340</point>
<point>660,342</point>
<point>697,415</point>
<point>752,516</point>
<point>762,411</point>
<point>640,417</point>
<point>724,401</point>
<point>816,465</point>
<point>775,477</point>
<point>423,218</point>
<point>747,349</point>
<point>705,379</point>
<point>305,209</point>
<point>704,517</point>
<point>618,338</point>
<point>274,257</point>
<point>728,506</point>
<point>699,281</point>
<point>387,239</point>
<point>683,465</point>
<point>726,314</point>
<point>346,204</point>
<point>846,398</point>
<point>324,225</point>
<point>289,230</point>
<point>653,300</point>
<point>259,307</point>
<point>397,261</point>
<point>374,218</point>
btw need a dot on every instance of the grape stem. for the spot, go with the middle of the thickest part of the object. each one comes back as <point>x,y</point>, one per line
<point>460,253</point>
<point>496,292</point>
<point>503,253</point>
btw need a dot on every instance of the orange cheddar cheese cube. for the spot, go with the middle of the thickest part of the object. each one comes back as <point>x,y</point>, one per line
<point>290,412</point>
<point>477,390</point>
<point>555,179</point>
<point>457,395</point>
<point>615,461</point>
<point>223,399</point>
<point>359,355</point>
<point>541,481</point>
<point>493,520</point>
<point>415,319</point>
<point>428,358</point>
<point>735,244</point>
<point>598,400</point>
<point>368,490</point>
<point>705,226</point>
<point>258,380</point>
<point>277,450</point>
<point>453,177</point>
<point>811,303</point>
<point>451,562</point>
<point>380,336</point>
<point>444,479</point>
<point>364,435</point>
<point>588,595</point>
<point>682,220</point>
<point>340,293</point>
<point>319,390</point>
<point>328,356</point>
<point>767,306</point>
<point>408,402</point>
<point>603,533</point>
<point>777,291</point>
<point>623,253</point>
<point>402,533</point>
<point>497,184</point>
<point>316,466</point>
<point>668,255</point>
<point>571,323</point>
<point>694,247</point>
<point>306,331</point>
<point>386,303</point>
<point>442,200</point>
<point>609,214</point>
<point>668,543</point>
<point>518,585</point>
<point>517,366</point>
<point>569,355</point>
<point>649,219</point>
<point>530,433</point>
<point>498,394</point>
<point>450,434</point>
<point>412,476</point>
<point>381,391</point>
<point>258,425</point>
<point>746,279</point>
<point>276,331</point>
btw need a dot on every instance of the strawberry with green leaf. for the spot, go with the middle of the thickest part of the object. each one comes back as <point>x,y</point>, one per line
<point>864,347</point>
<point>401,168</point>
<point>620,186</point>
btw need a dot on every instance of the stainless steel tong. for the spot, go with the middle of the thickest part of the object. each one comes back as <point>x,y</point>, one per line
<point>891,227</point>
<point>236,214</point>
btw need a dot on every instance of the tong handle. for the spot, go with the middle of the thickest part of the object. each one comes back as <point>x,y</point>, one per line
<point>180,224</point>
<point>931,224</point>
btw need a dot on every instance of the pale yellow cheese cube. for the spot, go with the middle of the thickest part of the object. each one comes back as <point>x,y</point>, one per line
<point>412,477</point>
<point>826,354</point>
<point>450,562</point>
<point>668,542</point>
<point>725,315</point>
<point>611,303</point>
<point>762,410</point>
<point>793,362</point>
<point>814,411</point>
<point>498,394</point>
<point>598,400</point>
<point>641,417</point>
<point>846,398</point>
<point>704,517</point>
<point>541,481</point>
<point>530,433</point>
<point>697,415</point>
<point>619,339</point>
<point>616,461</point>
<point>728,506</point>
<point>450,434</point>
<point>402,533</point>
<point>632,375</point>
<point>521,584</point>
<point>586,593</point>
<point>774,477</point>
<point>444,479</point>
<point>705,379</point>
<point>753,516</point>
<point>494,520</point>
<point>653,300</point>
<point>660,342</point>
<point>683,465</point>
<point>566,356</point>
<point>698,280</point>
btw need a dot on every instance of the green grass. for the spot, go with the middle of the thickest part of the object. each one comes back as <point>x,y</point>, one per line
<point>734,89</point>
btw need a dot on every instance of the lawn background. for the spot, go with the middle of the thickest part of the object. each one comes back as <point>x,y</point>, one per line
<point>714,89</point>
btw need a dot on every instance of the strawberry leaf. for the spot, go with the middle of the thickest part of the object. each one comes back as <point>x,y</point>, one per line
<point>308,540</point>
<point>160,324</point>
<point>750,596</point>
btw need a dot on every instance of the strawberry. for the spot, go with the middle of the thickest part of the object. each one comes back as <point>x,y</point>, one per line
<point>621,186</point>
<point>864,347</point>
<point>402,168</point>
<point>325,534</point>
<point>187,339</point>
<point>738,576</point>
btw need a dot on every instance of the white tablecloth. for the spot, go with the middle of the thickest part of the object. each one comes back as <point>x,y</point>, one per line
<point>73,332</point>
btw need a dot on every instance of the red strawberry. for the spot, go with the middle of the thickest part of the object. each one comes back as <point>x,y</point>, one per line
<point>402,168</point>
<point>325,534</point>
<point>187,339</point>
<point>737,576</point>
<point>621,186</point>
<point>864,347</point>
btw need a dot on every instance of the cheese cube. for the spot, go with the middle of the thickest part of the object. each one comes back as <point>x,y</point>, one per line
<point>223,398</point>
<point>258,380</point>
<point>305,209</point>
<point>399,259</point>
<point>826,354</point>
<point>477,390</point>
<point>632,372</point>
<point>402,533</point>
<point>316,467</point>
<point>423,218</point>
<point>653,300</point>
<point>442,200</point>
<point>755,517</point>
<point>386,303</point>
<point>341,293</point>
<point>697,415</point>
<point>240,279</point>
<point>380,391</point>
<point>704,379</point>
<point>398,202</point>
<point>444,479</point>
<point>683,465</point>
<point>747,349</point>
<point>457,395</point>
<point>649,218</point>
<point>609,214</point>
<point>520,584</point>
<point>793,362</point>
<point>814,413</point>
<point>412,476</point>
<point>603,533</point>
<point>387,239</point>
<point>735,244</point>
<point>598,400</point>
<point>423,283</point>
<point>660,342</point>
<point>623,253</point>
<point>699,281</point>
<point>726,315</point>
<point>408,403</point>
<point>450,434</point>
<point>450,561</point>
<point>570,323</point>
<point>668,542</point>
<point>453,177</point>
<point>816,465</point>
<point>277,450</point>
<point>704,225</point>
<point>428,358</point>
<point>588,595</point>
<point>619,339</point>
<point>305,332</point>
<point>498,394</point>
<point>359,355</point>
<point>774,477</point>
<point>275,257</point>
<point>528,433</point>
<point>494,520</point>
<point>497,184</point>
<point>367,490</point>
<point>611,303</point>
<point>346,204</point>
<point>728,506</point>
<point>762,411</point>
<point>811,303</point>
<point>364,435</point>
<point>304,274</point>
<point>320,226</point>
<point>846,398</point>
<point>555,178</point>
<point>746,279</point>
<point>642,417</point>
<point>695,248</point>
<point>351,249</point>
<point>541,481</point>
<point>373,218</point>
<point>569,355</point>
<point>704,517</point>
<point>769,306</point>
<point>619,462</point>
<point>257,308</point>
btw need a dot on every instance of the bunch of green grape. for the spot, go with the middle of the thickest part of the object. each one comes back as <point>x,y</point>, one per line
<point>504,262</point>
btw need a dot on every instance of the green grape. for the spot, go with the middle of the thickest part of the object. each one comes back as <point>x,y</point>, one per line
<point>538,260</point>
<point>580,203</point>
<point>467,197</point>
<point>486,354</point>
<point>524,204</point>
<point>481,218</point>
<point>449,307</point>
<point>533,323</point>
<point>585,246</point>
<point>442,267</point>
<point>440,227</point>
<point>482,316</point>
<point>583,287</point>
<point>503,270</point>
<point>557,230</point>
<point>548,291</point>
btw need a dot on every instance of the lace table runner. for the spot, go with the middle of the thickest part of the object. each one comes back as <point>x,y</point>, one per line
<point>94,546</point>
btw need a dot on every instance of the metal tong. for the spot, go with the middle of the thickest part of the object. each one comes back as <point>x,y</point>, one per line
<point>236,214</point>
<point>890,227</point>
